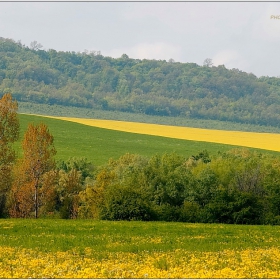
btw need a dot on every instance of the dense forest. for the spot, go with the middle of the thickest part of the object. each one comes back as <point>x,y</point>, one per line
<point>152,87</point>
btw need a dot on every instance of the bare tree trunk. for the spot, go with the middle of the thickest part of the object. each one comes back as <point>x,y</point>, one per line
<point>36,199</point>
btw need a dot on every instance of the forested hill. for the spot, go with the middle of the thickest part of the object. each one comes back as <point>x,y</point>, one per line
<point>148,86</point>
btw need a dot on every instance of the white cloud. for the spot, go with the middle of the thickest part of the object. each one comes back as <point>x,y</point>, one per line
<point>158,50</point>
<point>230,58</point>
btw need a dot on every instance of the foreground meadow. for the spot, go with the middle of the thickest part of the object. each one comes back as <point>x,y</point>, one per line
<point>102,249</point>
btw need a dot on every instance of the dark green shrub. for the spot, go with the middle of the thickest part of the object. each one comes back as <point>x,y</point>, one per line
<point>125,203</point>
<point>248,209</point>
<point>190,212</point>
<point>167,212</point>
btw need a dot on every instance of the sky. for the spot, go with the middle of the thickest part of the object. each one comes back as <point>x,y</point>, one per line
<point>242,35</point>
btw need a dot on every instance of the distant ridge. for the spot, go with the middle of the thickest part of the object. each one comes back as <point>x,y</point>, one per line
<point>152,87</point>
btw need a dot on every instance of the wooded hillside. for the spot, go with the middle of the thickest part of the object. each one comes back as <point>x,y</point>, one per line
<point>153,87</point>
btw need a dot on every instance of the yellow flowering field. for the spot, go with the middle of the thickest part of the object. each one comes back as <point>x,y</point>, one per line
<point>267,141</point>
<point>102,249</point>
<point>249,263</point>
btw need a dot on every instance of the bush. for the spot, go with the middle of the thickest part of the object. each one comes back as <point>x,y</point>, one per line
<point>125,203</point>
<point>247,209</point>
<point>190,212</point>
<point>167,212</point>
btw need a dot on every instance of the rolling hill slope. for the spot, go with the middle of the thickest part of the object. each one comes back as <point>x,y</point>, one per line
<point>99,144</point>
<point>267,141</point>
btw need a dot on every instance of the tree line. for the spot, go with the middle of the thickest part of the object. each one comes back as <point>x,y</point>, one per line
<point>152,87</point>
<point>238,186</point>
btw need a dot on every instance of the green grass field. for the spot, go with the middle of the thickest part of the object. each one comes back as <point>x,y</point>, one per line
<point>98,145</point>
<point>50,235</point>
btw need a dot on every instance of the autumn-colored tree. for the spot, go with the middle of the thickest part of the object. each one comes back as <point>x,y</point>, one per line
<point>20,201</point>
<point>9,133</point>
<point>48,196</point>
<point>38,157</point>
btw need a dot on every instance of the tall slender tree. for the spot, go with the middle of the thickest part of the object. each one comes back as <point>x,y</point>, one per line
<point>38,157</point>
<point>9,133</point>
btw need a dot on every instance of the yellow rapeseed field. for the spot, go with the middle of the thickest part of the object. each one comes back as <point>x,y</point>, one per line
<point>267,141</point>
<point>249,263</point>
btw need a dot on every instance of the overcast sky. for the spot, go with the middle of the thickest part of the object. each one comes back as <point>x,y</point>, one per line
<point>239,35</point>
